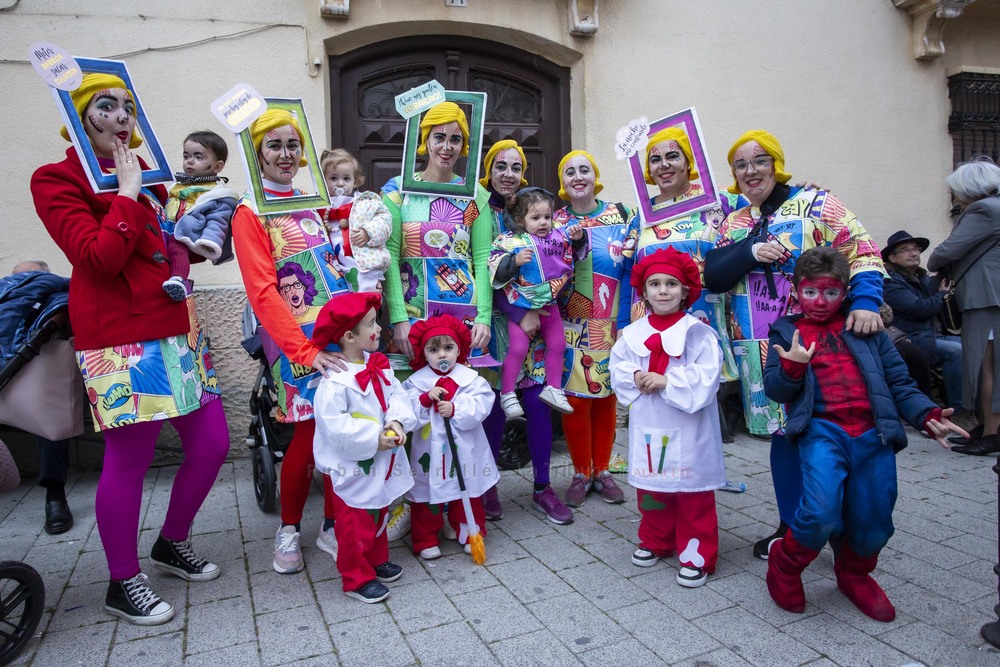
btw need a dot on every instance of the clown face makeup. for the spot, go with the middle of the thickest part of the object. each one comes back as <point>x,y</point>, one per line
<point>441,353</point>
<point>754,172</point>
<point>578,179</point>
<point>340,179</point>
<point>821,297</point>
<point>200,161</point>
<point>664,293</point>
<point>280,153</point>
<point>367,332</point>
<point>444,146</point>
<point>669,169</point>
<point>506,172</point>
<point>538,220</point>
<point>109,115</point>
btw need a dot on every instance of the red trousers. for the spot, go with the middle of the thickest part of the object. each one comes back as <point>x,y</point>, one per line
<point>680,521</point>
<point>590,433</point>
<point>296,476</point>
<point>362,543</point>
<point>426,521</point>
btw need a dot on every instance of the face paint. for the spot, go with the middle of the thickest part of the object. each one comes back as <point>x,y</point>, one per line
<point>280,152</point>
<point>505,174</point>
<point>109,115</point>
<point>669,168</point>
<point>821,297</point>
<point>754,170</point>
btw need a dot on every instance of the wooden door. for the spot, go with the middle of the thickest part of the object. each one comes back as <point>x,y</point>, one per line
<point>527,100</point>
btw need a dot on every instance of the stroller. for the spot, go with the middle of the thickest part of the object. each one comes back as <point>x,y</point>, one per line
<point>267,437</point>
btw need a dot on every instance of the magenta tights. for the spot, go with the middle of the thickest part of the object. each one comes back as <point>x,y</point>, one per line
<point>128,454</point>
<point>551,331</point>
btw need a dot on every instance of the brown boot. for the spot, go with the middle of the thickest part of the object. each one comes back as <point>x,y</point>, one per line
<point>854,580</point>
<point>786,561</point>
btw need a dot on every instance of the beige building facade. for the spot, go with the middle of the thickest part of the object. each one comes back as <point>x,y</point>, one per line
<point>857,91</point>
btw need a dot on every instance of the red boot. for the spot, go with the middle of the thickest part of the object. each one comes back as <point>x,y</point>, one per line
<point>786,561</point>
<point>854,580</point>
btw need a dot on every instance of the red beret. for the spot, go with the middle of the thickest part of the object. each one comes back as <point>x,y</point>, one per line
<point>342,313</point>
<point>671,262</point>
<point>439,325</point>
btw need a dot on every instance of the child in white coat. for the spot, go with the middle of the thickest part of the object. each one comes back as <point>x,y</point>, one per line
<point>666,369</point>
<point>443,387</point>
<point>362,417</point>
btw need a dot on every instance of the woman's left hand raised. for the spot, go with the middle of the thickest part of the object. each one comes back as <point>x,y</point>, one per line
<point>128,170</point>
<point>480,336</point>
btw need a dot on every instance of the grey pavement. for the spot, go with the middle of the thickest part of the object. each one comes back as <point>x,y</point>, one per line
<point>548,595</point>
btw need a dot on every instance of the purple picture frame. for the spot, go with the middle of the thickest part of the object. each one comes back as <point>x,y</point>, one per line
<point>688,121</point>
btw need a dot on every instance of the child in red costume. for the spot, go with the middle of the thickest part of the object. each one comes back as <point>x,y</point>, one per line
<point>666,368</point>
<point>362,417</point>
<point>443,387</point>
<point>843,396</point>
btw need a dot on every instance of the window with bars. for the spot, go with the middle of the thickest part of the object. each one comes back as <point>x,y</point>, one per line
<point>974,123</point>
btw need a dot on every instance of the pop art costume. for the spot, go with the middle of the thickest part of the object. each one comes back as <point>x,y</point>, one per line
<point>352,408</point>
<point>433,467</point>
<point>843,410</point>
<point>761,293</point>
<point>288,268</point>
<point>675,442</point>
<point>364,266</point>
<point>144,361</point>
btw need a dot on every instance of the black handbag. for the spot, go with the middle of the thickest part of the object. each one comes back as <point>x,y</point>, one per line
<point>950,314</point>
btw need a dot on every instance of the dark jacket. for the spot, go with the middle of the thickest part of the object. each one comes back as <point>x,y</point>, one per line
<point>915,306</point>
<point>27,301</point>
<point>968,254</point>
<point>890,388</point>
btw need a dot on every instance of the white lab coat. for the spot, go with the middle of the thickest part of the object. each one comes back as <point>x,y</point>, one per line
<point>348,423</point>
<point>430,455</point>
<point>675,441</point>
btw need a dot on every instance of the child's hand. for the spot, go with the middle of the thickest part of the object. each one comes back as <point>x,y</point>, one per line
<point>391,438</point>
<point>939,429</point>
<point>575,232</point>
<point>436,393</point>
<point>796,352</point>
<point>523,257</point>
<point>359,238</point>
<point>446,408</point>
<point>649,383</point>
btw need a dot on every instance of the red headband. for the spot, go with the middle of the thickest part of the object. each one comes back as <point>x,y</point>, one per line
<point>439,325</point>
<point>342,313</point>
<point>671,262</point>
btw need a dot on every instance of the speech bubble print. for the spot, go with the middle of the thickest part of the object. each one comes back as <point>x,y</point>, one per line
<point>55,65</point>
<point>632,138</point>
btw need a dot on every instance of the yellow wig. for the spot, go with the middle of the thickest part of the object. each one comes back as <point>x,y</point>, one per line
<point>272,119</point>
<point>770,145</point>
<point>495,150</point>
<point>672,134</point>
<point>94,83</point>
<point>593,165</point>
<point>442,114</point>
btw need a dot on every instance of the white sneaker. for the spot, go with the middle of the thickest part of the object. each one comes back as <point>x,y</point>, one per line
<point>287,554</point>
<point>327,541</point>
<point>447,532</point>
<point>399,522</point>
<point>555,398</point>
<point>511,407</point>
<point>691,577</point>
<point>430,553</point>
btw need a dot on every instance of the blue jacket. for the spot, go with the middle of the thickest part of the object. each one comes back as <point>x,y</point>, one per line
<point>27,301</point>
<point>890,388</point>
<point>915,306</point>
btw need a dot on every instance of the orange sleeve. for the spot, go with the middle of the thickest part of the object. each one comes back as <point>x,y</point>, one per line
<point>260,280</point>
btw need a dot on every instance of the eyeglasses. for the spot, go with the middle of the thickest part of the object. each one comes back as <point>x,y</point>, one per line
<point>760,163</point>
<point>290,286</point>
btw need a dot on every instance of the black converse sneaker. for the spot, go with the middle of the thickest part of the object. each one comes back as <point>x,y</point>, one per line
<point>133,600</point>
<point>179,559</point>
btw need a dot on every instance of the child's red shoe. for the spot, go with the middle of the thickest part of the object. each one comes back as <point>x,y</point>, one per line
<point>854,581</point>
<point>787,560</point>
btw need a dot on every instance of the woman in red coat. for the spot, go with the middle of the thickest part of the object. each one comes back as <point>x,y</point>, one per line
<point>143,357</point>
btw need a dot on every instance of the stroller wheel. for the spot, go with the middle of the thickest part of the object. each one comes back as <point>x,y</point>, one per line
<point>264,486</point>
<point>22,599</point>
<point>514,453</point>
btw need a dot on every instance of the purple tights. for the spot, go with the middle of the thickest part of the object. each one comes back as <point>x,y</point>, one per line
<point>128,454</point>
<point>539,418</point>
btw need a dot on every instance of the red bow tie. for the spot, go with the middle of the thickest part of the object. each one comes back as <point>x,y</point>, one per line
<point>659,359</point>
<point>341,212</point>
<point>377,363</point>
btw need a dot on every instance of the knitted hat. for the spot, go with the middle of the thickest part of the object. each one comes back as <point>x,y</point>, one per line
<point>272,119</point>
<point>442,114</point>
<point>495,150</point>
<point>672,134</point>
<point>342,313</point>
<point>593,165</point>
<point>94,83</point>
<point>439,325</point>
<point>899,237</point>
<point>770,145</point>
<point>673,263</point>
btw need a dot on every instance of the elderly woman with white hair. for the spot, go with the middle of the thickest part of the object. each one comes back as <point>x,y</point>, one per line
<point>971,257</point>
